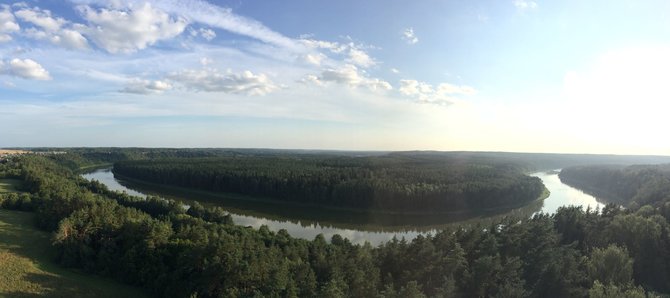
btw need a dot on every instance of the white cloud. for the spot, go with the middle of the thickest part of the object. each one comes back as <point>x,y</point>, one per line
<point>353,53</point>
<point>214,16</point>
<point>360,57</point>
<point>41,18</point>
<point>146,87</point>
<point>51,28</point>
<point>314,58</point>
<point>70,39</point>
<point>211,80</point>
<point>409,36</point>
<point>349,75</point>
<point>525,4</point>
<point>7,24</point>
<point>207,34</point>
<point>334,47</point>
<point>126,31</point>
<point>423,92</point>
<point>414,88</point>
<point>25,68</point>
<point>311,79</point>
<point>395,70</point>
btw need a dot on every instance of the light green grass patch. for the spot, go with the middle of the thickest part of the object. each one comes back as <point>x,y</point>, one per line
<point>9,185</point>
<point>27,269</point>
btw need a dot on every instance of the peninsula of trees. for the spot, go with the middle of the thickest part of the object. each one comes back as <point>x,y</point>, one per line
<point>388,182</point>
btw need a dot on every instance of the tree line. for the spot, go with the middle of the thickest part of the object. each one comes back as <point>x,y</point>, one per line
<point>389,182</point>
<point>635,185</point>
<point>178,252</point>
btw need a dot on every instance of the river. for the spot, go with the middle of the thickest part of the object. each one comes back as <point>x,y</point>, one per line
<point>376,228</point>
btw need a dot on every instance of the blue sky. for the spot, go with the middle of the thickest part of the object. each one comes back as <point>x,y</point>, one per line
<point>507,75</point>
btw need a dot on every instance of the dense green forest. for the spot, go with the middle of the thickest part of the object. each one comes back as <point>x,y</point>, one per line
<point>387,182</point>
<point>635,185</point>
<point>198,252</point>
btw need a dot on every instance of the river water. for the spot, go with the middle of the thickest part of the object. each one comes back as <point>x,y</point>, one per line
<point>308,222</point>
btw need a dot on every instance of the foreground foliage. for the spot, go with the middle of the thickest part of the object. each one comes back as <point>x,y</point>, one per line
<point>180,253</point>
<point>28,269</point>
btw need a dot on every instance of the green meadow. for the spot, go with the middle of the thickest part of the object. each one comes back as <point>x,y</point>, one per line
<point>28,269</point>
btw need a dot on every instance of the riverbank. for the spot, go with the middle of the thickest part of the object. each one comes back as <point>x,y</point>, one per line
<point>359,227</point>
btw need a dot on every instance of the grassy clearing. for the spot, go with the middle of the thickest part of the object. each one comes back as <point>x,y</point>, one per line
<point>9,151</point>
<point>27,269</point>
<point>9,185</point>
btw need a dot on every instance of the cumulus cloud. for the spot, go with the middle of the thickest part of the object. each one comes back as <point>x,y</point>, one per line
<point>352,53</point>
<point>214,16</point>
<point>7,24</point>
<point>443,94</point>
<point>129,30</point>
<point>24,68</point>
<point>360,58</point>
<point>70,39</point>
<point>211,80</point>
<point>56,30</point>
<point>146,87</point>
<point>408,36</point>
<point>311,80</point>
<point>348,75</point>
<point>41,18</point>
<point>314,58</point>
<point>525,4</point>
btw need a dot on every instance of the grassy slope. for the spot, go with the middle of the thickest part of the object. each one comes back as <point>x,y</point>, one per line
<point>27,269</point>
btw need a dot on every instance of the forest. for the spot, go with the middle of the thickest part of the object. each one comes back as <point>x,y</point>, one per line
<point>632,186</point>
<point>175,251</point>
<point>388,182</point>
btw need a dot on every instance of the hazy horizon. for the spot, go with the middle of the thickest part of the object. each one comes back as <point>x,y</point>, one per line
<point>503,76</point>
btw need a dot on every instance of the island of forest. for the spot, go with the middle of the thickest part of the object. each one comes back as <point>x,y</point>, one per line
<point>390,182</point>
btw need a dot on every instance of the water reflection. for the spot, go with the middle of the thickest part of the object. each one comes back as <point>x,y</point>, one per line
<point>564,195</point>
<point>358,227</point>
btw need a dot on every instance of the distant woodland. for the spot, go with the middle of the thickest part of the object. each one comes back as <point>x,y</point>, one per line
<point>388,182</point>
<point>199,252</point>
<point>635,185</point>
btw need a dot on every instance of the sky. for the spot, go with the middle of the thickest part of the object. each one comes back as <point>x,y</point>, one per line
<point>568,76</point>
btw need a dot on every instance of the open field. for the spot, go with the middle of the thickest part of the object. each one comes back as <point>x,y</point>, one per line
<point>9,185</point>
<point>28,269</point>
<point>7,151</point>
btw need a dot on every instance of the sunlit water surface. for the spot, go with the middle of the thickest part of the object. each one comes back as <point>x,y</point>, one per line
<point>358,228</point>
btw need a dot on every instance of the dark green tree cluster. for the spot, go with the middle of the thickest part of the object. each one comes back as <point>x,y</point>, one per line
<point>180,253</point>
<point>390,182</point>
